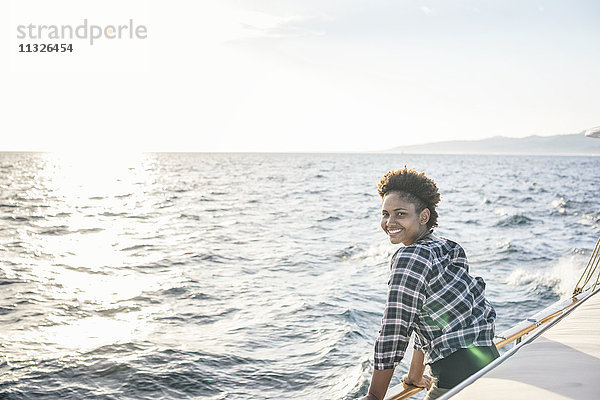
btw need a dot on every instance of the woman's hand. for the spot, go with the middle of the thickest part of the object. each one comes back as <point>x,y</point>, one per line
<point>424,382</point>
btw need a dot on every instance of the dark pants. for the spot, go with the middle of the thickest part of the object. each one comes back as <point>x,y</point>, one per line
<point>461,364</point>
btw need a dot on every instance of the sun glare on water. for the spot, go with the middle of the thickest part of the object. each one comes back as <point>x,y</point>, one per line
<point>78,256</point>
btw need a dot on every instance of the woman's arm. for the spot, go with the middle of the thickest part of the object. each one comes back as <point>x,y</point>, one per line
<point>406,294</point>
<point>415,375</point>
<point>379,384</point>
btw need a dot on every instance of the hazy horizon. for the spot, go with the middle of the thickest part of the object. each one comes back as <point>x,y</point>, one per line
<point>396,149</point>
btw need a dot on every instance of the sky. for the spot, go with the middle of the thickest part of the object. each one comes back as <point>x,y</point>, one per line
<point>298,76</point>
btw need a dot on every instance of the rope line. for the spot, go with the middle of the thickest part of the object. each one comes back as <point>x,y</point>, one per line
<point>589,271</point>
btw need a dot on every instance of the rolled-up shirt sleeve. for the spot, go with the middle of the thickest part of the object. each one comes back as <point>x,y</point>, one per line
<point>418,343</point>
<point>406,295</point>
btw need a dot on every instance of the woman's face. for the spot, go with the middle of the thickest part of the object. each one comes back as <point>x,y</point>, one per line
<point>401,221</point>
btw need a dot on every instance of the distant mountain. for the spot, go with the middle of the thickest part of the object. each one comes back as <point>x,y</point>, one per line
<point>572,144</point>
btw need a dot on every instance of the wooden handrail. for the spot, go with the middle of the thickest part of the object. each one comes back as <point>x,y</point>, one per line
<point>407,392</point>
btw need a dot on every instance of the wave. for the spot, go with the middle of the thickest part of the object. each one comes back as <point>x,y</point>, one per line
<point>560,278</point>
<point>348,252</point>
<point>56,231</point>
<point>6,310</point>
<point>589,219</point>
<point>191,216</point>
<point>111,312</point>
<point>15,219</point>
<point>373,254</point>
<point>508,247</point>
<point>560,206</point>
<point>514,220</point>
<point>89,230</point>
<point>112,214</point>
<point>329,219</point>
<point>138,247</point>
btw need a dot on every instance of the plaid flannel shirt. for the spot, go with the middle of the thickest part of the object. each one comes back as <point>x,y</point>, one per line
<point>431,292</point>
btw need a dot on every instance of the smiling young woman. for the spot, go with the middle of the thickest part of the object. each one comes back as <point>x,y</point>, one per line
<point>430,293</point>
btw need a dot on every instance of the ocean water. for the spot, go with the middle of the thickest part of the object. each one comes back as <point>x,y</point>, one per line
<point>247,276</point>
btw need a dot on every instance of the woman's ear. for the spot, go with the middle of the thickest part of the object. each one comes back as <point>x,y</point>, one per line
<point>424,216</point>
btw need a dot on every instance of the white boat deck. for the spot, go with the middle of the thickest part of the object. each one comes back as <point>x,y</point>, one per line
<point>562,363</point>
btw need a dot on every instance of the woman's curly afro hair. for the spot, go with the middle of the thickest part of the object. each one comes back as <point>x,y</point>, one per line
<point>415,187</point>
